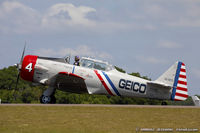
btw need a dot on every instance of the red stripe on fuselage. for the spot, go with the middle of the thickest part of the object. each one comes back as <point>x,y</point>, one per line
<point>71,74</point>
<point>103,82</point>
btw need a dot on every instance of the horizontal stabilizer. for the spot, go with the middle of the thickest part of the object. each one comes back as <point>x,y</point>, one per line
<point>196,100</point>
<point>160,85</point>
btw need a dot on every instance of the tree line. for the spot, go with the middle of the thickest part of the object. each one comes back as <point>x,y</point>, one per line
<point>28,93</point>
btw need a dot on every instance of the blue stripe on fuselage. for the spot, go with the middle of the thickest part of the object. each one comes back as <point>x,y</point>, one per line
<point>73,69</point>
<point>111,83</point>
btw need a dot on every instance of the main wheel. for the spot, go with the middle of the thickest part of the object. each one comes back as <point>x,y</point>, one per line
<point>47,99</point>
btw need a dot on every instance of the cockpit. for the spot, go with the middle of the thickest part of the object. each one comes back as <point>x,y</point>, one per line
<point>95,64</point>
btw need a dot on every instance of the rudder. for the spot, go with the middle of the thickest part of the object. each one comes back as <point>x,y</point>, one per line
<point>180,91</point>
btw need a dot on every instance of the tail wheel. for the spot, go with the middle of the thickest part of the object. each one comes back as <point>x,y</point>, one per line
<point>47,99</point>
<point>164,103</point>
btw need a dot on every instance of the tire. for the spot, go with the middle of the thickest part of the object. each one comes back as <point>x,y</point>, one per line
<point>47,99</point>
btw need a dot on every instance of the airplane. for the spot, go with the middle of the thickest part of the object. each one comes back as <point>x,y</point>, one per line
<point>196,100</point>
<point>98,77</point>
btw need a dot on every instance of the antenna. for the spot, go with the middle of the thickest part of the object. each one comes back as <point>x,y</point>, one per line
<point>69,57</point>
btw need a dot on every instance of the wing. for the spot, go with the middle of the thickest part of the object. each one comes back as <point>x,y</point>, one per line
<point>70,82</point>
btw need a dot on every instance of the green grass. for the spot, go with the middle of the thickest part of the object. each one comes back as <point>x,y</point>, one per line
<point>74,119</point>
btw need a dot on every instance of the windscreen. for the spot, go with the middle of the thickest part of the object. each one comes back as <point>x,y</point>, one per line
<point>96,65</point>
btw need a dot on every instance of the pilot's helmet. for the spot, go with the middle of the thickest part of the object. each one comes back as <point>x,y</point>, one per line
<point>77,58</point>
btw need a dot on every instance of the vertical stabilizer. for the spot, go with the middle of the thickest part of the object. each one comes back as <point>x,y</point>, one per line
<point>175,76</point>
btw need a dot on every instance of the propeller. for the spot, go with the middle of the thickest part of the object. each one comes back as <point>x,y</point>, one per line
<point>19,65</point>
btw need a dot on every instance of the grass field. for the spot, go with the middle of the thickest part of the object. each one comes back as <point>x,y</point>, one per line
<point>94,119</point>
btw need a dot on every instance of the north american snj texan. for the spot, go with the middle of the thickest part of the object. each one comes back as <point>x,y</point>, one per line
<point>98,77</point>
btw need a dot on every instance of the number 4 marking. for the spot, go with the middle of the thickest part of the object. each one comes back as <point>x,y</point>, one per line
<point>29,67</point>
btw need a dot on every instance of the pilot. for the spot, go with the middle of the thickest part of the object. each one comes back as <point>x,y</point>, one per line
<point>77,63</point>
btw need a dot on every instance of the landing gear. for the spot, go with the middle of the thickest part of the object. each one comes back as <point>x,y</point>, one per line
<point>164,103</point>
<point>48,96</point>
<point>48,99</point>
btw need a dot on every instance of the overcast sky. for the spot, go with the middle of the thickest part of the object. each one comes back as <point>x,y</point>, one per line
<point>145,36</point>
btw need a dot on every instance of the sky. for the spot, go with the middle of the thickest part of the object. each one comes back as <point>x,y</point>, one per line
<point>145,36</point>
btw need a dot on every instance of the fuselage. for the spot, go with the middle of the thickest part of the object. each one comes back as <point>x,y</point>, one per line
<point>110,82</point>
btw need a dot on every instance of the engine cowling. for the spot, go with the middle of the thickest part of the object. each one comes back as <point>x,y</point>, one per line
<point>27,68</point>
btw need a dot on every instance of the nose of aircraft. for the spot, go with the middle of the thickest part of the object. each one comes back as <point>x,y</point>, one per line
<point>27,68</point>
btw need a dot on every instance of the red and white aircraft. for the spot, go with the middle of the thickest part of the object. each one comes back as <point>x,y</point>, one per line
<point>98,77</point>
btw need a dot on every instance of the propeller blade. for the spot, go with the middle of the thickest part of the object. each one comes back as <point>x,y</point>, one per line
<point>17,81</point>
<point>15,90</point>
<point>19,66</point>
<point>23,54</point>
